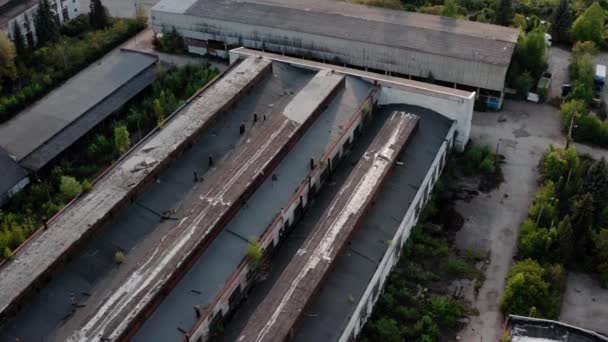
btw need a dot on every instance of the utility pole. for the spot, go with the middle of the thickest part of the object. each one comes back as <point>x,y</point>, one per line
<point>570,132</point>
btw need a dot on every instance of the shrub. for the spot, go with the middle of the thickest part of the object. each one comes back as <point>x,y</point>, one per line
<point>86,185</point>
<point>69,187</point>
<point>119,257</point>
<point>458,268</point>
<point>446,311</point>
<point>487,165</point>
<point>254,253</point>
<point>76,26</point>
<point>7,253</point>
<point>121,138</point>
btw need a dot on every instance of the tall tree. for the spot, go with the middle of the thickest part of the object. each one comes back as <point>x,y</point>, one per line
<point>562,21</point>
<point>596,183</point>
<point>98,15</point>
<point>504,12</point>
<point>46,23</point>
<point>589,26</point>
<point>7,59</point>
<point>121,138</point>
<point>19,40</point>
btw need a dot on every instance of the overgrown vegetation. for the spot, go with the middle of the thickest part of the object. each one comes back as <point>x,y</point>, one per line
<point>254,253</point>
<point>74,172</point>
<point>418,303</point>
<point>567,227</point>
<point>59,54</point>
<point>170,41</point>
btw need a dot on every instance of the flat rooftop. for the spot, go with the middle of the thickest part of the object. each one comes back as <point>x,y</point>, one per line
<point>77,105</point>
<point>328,314</point>
<point>204,214</point>
<point>463,39</point>
<point>276,316</point>
<point>392,81</point>
<point>42,251</point>
<point>215,266</point>
<point>528,329</point>
<point>330,311</point>
<point>141,222</point>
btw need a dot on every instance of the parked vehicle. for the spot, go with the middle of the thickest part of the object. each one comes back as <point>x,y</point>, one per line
<point>600,75</point>
<point>566,89</point>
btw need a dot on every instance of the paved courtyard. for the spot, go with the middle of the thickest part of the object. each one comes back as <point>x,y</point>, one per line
<point>585,303</point>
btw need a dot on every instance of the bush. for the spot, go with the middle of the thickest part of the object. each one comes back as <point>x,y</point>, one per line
<point>119,257</point>
<point>76,26</point>
<point>487,165</point>
<point>69,187</point>
<point>86,186</point>
<point>254,253</point>
<point>171,42</point>
<point>446,311</point>
<point>7,253</point>
<point>525,288</point>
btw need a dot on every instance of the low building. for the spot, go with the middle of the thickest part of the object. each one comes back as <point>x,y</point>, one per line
<point>14,177</point>
<point>48,128</point>
<point>528,329</point>
<point>457,53</point>
<point>22,12</point>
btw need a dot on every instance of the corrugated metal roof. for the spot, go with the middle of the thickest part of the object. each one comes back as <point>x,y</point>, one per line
<point>462,39</point>
<point>42,124</point>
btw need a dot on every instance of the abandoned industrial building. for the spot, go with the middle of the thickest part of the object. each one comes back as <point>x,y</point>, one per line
<point>456,53</point>
<point>241,161</point>
<point>49,127</point>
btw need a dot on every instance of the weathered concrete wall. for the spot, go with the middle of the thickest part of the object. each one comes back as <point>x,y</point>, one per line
<point>391,256</point>
<point>333,50</point>
<point>452,103</point>
<point>456,108</point>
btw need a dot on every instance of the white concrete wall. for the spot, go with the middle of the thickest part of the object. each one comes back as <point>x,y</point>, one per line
<point>456,108</point>
<point>409,62</point>
<point>26,19</point>
<point>391,256</point>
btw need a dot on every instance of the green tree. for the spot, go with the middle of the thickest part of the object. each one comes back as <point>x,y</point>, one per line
<point>46,23</point>
<point>545,207</point>
<point>589,26</point>
<point>596,183</point>
<point>520,21</point>
<point>529,55</point>
<point>386,329</point>
<point>122,141</point>
<point>7,58</point>
<point>559,163</point>
<point>69,187</point>
<point>565,240</point>
<point>561,22</point>
<point>98,15</point>
<point>19,40</point>
<point>524,83</point>
<point>572,108</point>
<point>582,222</point>
<point>450,9</point>
<point>525,288</point>
<point>504,12</point>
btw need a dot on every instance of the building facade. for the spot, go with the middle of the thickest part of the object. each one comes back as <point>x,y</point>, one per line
<point>17,12</point>
<point>455,53</point>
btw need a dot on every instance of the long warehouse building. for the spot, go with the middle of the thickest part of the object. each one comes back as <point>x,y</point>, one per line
<point>457,53</point>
